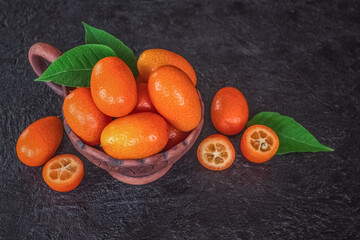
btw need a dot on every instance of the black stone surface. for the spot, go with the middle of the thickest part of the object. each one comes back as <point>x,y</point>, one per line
<point>299,58</point>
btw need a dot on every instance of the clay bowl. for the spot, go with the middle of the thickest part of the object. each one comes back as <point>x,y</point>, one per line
<point>130,171</point>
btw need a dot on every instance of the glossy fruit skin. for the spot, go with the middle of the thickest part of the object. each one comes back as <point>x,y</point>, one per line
<point>113,87</point>
<point>144,103</point>
<point>253,155</point>
<point>175,97</point>
<point>83,117</point>
<point>68,184</point>
<point>152,59</point>
<point>229,111</point>
<point>216,138</point>
<point>135,136</point>
<point>175,137</point>
<point>39,141</point>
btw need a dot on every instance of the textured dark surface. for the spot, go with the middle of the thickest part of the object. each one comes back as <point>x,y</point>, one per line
<point>301,59</point>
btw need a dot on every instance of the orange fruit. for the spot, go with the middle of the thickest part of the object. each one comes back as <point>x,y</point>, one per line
<point>175,97</point>
<point>113,87</point>
<point>83,117</point>
<point>138,135</point>
<point>144,103</point>
<point>175,137</point>
<point>229,111</point>
<point>152,59</point>
<point>216,152</point>
<point>259,143</point>
<point>63,173</point>
<point>140,79</point>
<point>39,141</point>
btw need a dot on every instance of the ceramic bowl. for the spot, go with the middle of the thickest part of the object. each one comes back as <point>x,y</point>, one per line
<point>130,171</point>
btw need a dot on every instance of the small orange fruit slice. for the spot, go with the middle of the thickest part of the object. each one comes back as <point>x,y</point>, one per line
<point>259,143</point>
<point>63,173</point>
<point>216,152</point>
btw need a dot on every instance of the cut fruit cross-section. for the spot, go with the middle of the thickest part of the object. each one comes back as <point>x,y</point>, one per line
<point>216,152</point>
<point>259,143</point>
<point>63,173</point>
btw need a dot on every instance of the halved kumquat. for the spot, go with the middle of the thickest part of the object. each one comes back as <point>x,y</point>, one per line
<point>259,143</point>
<point>63,173</point>
<point>216,152</point>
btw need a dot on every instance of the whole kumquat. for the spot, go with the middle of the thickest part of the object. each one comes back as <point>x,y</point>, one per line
<point>63,173</point>
<point>175,137</point>
<point>137,135</point>
<point>144,103</point>
<point>113,87</point>
<point>229,111</point>
<point>39,141</point>
<point>83,117</point>
<point>152,59</point>
<point>175,97</point>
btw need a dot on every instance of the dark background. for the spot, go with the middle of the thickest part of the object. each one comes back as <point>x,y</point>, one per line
<point>298,58</point>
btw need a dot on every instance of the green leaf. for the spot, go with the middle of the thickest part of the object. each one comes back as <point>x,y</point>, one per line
<point>97,36</point>
<point>292,136</point>
<point>74,67</point>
